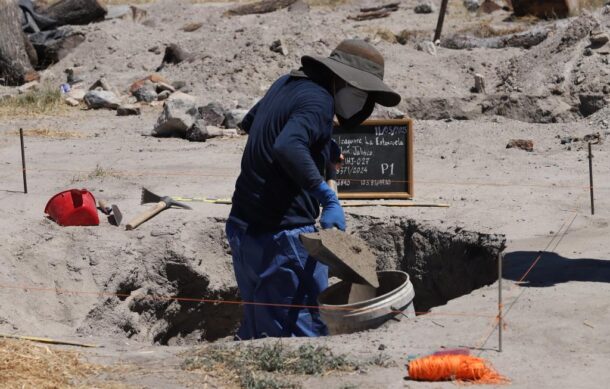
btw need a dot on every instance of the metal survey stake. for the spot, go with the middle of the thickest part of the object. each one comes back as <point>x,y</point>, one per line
<point>25,182</point>
<point>441,19</point>
<point>591,180</point>
<point>500,302</point>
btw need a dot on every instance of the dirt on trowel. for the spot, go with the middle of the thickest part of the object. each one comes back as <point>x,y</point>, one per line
<point>347,255</point>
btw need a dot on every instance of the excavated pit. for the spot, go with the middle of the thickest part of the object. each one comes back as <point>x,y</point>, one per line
<point>442,264</point>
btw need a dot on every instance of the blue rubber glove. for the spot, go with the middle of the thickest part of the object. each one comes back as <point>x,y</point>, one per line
<point>332,213</point>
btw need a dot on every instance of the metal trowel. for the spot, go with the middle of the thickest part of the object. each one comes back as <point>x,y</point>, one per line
<point>349,257</point>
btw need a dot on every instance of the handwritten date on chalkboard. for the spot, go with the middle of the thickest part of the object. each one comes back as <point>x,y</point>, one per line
<point>378,160</point>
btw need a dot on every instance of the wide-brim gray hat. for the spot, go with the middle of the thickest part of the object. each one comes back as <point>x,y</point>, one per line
<point>360,65</point>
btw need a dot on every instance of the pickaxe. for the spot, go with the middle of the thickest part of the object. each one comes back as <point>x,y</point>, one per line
<point>163,202</point>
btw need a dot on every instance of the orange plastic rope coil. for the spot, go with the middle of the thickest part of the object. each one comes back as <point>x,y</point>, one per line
<point>463,368</point>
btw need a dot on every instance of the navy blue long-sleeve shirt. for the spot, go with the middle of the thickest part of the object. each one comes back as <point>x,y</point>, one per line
<point>286,154</point>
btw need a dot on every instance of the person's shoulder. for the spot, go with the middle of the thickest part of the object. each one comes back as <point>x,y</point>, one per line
<point>308,90</point>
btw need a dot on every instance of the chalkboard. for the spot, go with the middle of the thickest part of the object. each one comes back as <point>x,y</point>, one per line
<point>378,160</point>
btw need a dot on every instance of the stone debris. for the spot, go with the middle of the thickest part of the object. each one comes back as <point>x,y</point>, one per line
<point>425,7</point>
<point>213,114</point>
<point>193,26</point>
<point>147,93</point>
<point>523,144</point>
<point>479,84</point>
<point>299,6</point>
<point>381,112</point>
<point>593,138</point>
<point>128,110</point>
<point>71,101</point>
<point>427,47</point>
<point>77,94</point>
<point>162,87</point>
<point>489,6</point>
<point>97,99</point>
<point>103,84</point>
<point>279,46</point>
<point>179,115</point>
<point>155,78</point>
<point>164,95</point>
<point>233,117</point>
<point>471,5</point>
<point>32,85</point>
<point>599,37</point>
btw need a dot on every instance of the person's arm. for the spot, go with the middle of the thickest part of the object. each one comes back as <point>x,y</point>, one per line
<point>246,122</point>
<point>307,125</point>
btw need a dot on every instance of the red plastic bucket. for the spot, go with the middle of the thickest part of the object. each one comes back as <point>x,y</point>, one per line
<point>74,207</point>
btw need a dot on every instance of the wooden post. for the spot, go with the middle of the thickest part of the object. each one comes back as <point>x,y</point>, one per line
<point>441,19</point>
<point>500,302</point>
<point>591,180</point>
<point>25,182</point>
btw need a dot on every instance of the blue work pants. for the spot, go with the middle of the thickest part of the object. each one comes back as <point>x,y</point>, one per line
<point>275,268</point>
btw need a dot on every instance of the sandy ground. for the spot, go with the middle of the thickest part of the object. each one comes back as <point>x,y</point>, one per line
<point>556,331</point>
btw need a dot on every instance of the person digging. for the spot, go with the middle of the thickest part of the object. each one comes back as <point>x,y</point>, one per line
<point>282,185</point>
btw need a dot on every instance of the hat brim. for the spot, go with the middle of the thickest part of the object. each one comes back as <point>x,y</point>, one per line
<point>381,93</point>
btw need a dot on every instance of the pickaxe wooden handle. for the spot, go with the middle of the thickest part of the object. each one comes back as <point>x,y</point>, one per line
<point>144,216</point>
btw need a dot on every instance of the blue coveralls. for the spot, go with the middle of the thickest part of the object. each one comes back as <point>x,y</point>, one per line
<point>287,150</point>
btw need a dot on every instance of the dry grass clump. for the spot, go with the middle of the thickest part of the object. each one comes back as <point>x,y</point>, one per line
<point>49,133</point>
<point>45,100</point>
<point>273,366</point>
<point>25,365</point>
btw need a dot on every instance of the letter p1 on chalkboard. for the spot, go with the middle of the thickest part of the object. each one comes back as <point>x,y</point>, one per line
<point>378,160</point>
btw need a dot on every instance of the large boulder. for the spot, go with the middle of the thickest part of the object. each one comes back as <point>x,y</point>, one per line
<point>179,114</point>
<point>233,117</point>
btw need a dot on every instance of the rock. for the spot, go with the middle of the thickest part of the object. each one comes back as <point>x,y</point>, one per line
<point>299,6</point>
<point>381,112</point>
<point>549,9</point>
<point>178,85</point>
<point>128,110</point>
<point>424,8</point>
<point>279,46</point>
<point>599,39</point>
<point>71,101</point>
<point>77,94</point>
<point>174,54</point>
<point>118,11</point>
<point>155,50</point>
<point>230,133</point>
<point>32,85</point>
<point>97,99</point>
<point>591,103</point>
<point>154,78</point>
<point>179,114</point>
<point>190,27</point>
<point>74,75</point>
<point>164,95</point>
<point>233,117</point>
<point>213,114</point>
<point>489,6</point>
<point>162,86</point>
<point>471,5</point>
<point>146,93</point>
<point>138,14</point>
<point>523,144</point>
<point>197,132</point>
<point>427,46</point>
<point>479,84</point>
<point>103,84</point>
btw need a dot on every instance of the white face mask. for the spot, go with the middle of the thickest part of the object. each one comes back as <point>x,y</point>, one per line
<point>349,101</point>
